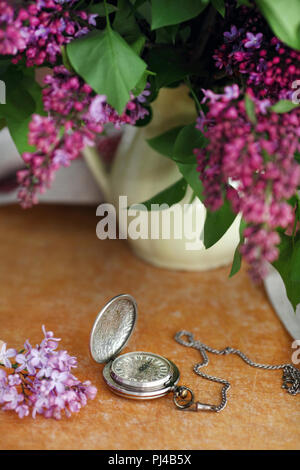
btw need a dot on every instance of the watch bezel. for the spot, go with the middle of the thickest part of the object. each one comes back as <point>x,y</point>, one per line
<point>145,392</point>
<point>154,384</point>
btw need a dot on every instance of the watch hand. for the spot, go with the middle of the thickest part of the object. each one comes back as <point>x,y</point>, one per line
<point>144,366</point>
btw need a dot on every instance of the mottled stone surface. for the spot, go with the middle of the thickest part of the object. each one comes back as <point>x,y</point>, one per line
<point>54,271</point>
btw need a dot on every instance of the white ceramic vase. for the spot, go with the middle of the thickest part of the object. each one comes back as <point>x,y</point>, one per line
<point>139,173</point>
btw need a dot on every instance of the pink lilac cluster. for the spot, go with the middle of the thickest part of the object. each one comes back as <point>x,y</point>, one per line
<point>251,162</point>
<point>12,36</point>
<point>268,66</point>
<point>40,381</point>
<point>40,28</point>
<point>75,117</point>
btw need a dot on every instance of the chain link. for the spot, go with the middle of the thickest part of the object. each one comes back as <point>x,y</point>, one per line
<point>291,375</point>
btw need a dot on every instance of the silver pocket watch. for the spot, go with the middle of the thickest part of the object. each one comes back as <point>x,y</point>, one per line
<point>139,375</point>
<point>144,376</point>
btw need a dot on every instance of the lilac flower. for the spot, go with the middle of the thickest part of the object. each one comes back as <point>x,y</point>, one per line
<point>259,158</point>
<point>22,410</point>
<point>37,357</point>
<point>263,105</point>
<point>37,30</point>
<point>268,66</point>
<point>24,364</point>
<point>210,95</point>
<point>72,106</point>
<point>49,341</point>
<point>57,381</point>
<point>41,32</point>
<point>97,110</point>
<point>231,92</point>
<point>44,371</point>
<point>3,377</point>
<point>230,36</point>
<point>63,361</point>
<point>6,354</point>
<point>203,121</point>
<point>40,405</point>
<point>92,19</point>
<point>44,384</point>
<point>142,97</point>
<point>11,398</point>
<point>61,158</point>
<point>81,32</point>
<point>253,40</point>
<point>14,379</point>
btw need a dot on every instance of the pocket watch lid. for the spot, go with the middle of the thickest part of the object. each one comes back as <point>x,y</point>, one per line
<point>113,327</point>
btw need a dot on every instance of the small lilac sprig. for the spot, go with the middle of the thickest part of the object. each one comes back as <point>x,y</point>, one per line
<point>40,380</point>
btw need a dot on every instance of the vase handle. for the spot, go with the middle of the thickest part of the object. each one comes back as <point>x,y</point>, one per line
<point>97,167</point>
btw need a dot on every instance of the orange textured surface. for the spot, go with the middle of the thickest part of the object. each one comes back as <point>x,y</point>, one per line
<point>54,271</point>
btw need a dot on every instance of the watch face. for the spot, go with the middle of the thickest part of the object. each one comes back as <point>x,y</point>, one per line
<point>141,370</point>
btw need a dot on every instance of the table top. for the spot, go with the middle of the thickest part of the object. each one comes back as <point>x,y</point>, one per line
<point>54,271</point>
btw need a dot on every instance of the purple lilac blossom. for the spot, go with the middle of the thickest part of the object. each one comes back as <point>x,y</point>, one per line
<point>259,158</point>
<point>71,105</point>
<point>41,381</point>
<point>38,29</point>
<point>268,66</point>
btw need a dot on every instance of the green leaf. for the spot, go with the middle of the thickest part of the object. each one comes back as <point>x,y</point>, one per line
<point>236,263</point>
<point>178,144</point>
<point>191,175</point>
<point>186,141</point>
<point>287,265</point>
<point>166,35</point>
<point>138,44</point>
<point>65,59</point>
<point>2,123</point>
<point>250,108</point>
<point>219,5</point>
<point>185,33</point>
<point>141,84</point>
<point>284,19</point>
<point>164,143</point>
<point>169,12</point>
<point>144,9</point>
<point>21,87</point>
<point>247,3</point>
<point>100,9</point>
<point>108,64</point>
<point>169,63</point>
<point>171,195</point>
<point>295,262</point>
<point>125,23</point>
<point>217,223</point>
<point>237,259</point>
<point>284,106</point>
<point>297,157</point>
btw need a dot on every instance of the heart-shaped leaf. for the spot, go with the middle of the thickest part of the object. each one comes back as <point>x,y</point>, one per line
<point>108,64</point>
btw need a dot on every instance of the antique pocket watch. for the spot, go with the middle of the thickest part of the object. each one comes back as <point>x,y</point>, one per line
<point>143,375</point>
<point>139,375</point>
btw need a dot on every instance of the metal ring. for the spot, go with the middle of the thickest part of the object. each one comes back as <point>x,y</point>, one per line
<point>185,402</point>
<point>190,336</point>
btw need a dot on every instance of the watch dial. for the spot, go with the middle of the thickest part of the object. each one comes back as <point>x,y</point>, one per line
<point>140,369</point>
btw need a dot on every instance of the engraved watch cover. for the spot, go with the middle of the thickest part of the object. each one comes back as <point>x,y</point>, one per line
<point>113,328</point>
